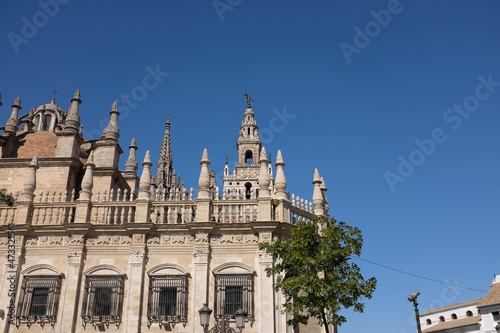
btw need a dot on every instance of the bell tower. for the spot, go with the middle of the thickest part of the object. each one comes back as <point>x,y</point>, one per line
<point>243,182</point>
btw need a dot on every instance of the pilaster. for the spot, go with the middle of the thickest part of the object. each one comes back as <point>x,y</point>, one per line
<point>267,305</point>
<point>133,312</point>
<point>70,293</point>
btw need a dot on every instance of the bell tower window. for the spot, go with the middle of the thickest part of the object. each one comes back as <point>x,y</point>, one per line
<point>248,191</point>
<point>248,156</point>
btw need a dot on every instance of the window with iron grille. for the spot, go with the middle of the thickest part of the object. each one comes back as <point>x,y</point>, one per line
<point>233,292</point>
<point>103,299</point>
<point>168,296</point>
<point>38,300</point>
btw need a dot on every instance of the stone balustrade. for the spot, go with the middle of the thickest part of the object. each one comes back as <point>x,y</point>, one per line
<point>118,207</point>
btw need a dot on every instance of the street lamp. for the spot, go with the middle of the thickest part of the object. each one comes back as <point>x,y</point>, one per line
<point>221,326</point>
<point>413,298</point>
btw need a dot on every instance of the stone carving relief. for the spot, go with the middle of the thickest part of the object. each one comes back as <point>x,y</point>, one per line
<point>108,240</point>
<point>264,256</point>
<point>201,256</point>
<point>201,238</point>
<point>74,257</point>
<point>74,240</point>
<point>265,237</point>
<point>137,257</point>
<point>138,239</point>
<point>233,239</point>
<point>153,240</point>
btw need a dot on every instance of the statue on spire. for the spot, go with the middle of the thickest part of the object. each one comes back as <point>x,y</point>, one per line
<point>248,98</point>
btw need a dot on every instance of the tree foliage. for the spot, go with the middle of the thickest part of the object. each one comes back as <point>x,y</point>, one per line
<point>314,272</point>
<point>6,198</point>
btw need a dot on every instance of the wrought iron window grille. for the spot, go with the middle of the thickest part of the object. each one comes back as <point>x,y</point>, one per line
<point>38,300</point>
<point>234,291</point>
<point>103,300</point>
<point>167,300</point>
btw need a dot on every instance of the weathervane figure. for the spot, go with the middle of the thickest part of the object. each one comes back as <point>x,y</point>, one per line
<point>247,98</point>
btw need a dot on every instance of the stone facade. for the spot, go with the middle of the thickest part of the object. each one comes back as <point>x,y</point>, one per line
<point>87,247</point>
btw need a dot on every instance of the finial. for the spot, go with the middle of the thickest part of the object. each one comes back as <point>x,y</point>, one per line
<point>227,156</point>
<point>279,158</point>
<point>54,97</point>
<point>204,158</point>
<point>168,120</point>
<point>17,103</point>
<point>323,185</point>
<point>316,178</point>
<point>263,156</point>
<point>76,96</point>
<point>147,158</point>
<point>133,143</point>
<point>1,99</point>
<point>248,98</point>
<point>115,107</point>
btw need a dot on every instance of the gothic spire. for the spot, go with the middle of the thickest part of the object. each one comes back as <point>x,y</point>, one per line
<point>164,167</point>
<point>131,165</point>
<point>112,132</point>
<point>13,122</point>
<point>72,122</point>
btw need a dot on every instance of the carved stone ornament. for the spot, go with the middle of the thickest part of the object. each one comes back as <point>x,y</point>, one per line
<point>153,240</point>
<point>137,257</point>
<point>201,238</point>
<point>74,257</point>
<point>201,256</point>
<point>265,237</point>
<point>264,256</point>
<point>138,239</point>
<point>74,240</point>
<point>56,240</point>
<point>31,241</point>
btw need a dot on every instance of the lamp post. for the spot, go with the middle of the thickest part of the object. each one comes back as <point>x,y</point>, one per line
<point>413,298</point>
<point>221,326</point>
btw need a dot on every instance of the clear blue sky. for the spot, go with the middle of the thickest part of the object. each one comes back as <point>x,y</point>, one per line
<point>360,101</point>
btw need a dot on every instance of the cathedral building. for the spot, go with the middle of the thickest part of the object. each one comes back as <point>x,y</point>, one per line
<point>87,247</point>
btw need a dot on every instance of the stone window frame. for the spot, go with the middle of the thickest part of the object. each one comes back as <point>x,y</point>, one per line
<point>168,276</point>
<point>39,276</point>
<point>103,277</point>
<point>234,274</point>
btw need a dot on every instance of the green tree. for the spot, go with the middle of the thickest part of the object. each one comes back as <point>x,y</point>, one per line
<point>314,272</point>
<point>6,198</point>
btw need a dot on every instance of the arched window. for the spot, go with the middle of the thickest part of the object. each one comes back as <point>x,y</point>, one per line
<point>454,316</point>
<point>234,289</point>
<point>248,156</point>
<point>103,295</point>
<point>468,313</point>
<point>441,319</point>
<point>37,122</point>
<point>248,192</point>
<point>168,294</point>
<point>46,122</point>
<point>428,322</point>
<point>39,295</point>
